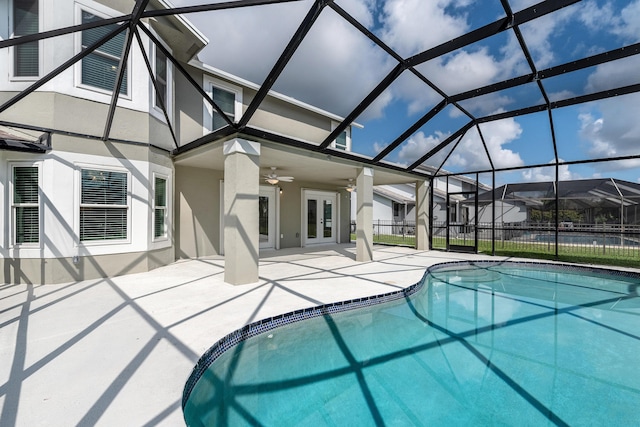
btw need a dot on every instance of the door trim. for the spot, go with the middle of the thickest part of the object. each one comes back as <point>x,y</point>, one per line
<point>303,215</point>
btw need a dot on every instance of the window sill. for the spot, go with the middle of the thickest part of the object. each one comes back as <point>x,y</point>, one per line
<point>18,79</point>
<point>94,243</point>
<point>101,91</point>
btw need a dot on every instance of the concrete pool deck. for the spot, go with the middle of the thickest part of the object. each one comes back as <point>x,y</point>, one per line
<point>118,351</point>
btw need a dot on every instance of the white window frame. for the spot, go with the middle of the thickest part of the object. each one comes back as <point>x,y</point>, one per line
<point>13,76</point>
<point>79,8</point>
<point>209,83</point>
<point>83,166</point>
<point>334,125</point>
<point>167,195</point>
<point>12,205</point>
<point>155,109</point>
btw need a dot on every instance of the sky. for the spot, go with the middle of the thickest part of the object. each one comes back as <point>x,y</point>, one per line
<point>336,66</point>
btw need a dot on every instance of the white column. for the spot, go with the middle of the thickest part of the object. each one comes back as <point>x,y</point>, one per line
<point>422,215</point>
<point>241,228</point>
<point>364,215</point>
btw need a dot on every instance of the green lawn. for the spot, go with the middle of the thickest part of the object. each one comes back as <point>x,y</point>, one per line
<point>623,257</point>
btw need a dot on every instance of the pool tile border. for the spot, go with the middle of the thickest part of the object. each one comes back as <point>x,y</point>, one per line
<point>259,327</point>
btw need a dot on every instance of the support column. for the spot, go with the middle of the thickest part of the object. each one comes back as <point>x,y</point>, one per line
<point>364,215</point>
<point>241,192</point>
<point>422,215</point>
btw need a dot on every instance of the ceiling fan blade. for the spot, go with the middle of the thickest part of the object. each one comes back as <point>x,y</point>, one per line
<point>285,178</point>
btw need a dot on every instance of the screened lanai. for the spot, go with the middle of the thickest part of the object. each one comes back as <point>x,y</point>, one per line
<point>589,216</point>
<point>504,92</point>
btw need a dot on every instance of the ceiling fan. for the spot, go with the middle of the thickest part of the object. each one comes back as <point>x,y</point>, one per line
<point>351,187</point>
<point>273,178</point>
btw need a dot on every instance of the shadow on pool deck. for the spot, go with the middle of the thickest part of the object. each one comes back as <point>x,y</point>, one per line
<point>118,351</point>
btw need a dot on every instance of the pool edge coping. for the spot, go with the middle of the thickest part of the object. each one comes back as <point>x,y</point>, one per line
<point>270,323</point>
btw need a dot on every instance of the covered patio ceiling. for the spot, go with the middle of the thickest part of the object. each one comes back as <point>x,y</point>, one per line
<point>435,84</point>
<point>304,165</point>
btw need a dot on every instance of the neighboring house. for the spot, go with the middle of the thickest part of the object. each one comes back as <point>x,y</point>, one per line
<point>85,199</point>
<point>396,202</point>
<point>586,201</point>
<point>589,201</point>
<point>391,203</point>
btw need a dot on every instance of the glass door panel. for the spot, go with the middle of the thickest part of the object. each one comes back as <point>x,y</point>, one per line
<point>263,219</point>
<point>326,220</point>
<point>312,219</point>
<point>319,213</point>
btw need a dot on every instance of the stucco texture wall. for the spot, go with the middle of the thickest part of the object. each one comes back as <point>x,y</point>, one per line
<point>197,212</point>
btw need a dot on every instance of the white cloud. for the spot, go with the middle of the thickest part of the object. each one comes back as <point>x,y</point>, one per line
<point>467,69</point>
<point>378,147</point>
<point>517,5</point>
<point>629,24</point>
<point>462,71</point>
<point>513,61</point>
<point>590,130</point>
<point>419,145</point>
<point>538,33</point>
<point>376,109</point>
<point>485,105</point>
<point>335,67</point>
<point>595,17</point>
<point>612,129</point>
<point>419,97</point>
<point>362,10</point>
<point>470,153</point>
<point>560,95</point>
<point>237,34</point>
<point>544,174</point>
<point>619,73</point>
<point>405,22</point>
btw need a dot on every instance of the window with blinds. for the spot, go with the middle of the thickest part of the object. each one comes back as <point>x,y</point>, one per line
<point>161,79</point>
<point>100,68</point>
<point>103,205</point>
<point>25,22</point>
<point>160,208</point>
<point>26,206</point>
<point>226,100</point>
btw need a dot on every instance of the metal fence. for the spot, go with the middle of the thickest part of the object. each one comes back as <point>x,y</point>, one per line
<point>577,239</point>
<point>391,232</point>
<point>609,240</point>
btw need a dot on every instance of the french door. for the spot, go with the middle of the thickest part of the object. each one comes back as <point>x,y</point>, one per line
<point>319,217</point>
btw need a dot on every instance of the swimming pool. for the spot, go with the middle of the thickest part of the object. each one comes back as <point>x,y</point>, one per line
<point>480,343</point>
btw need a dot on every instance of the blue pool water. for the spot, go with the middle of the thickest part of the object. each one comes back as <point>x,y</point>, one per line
<point>578,239</point>
<point>485,344</point>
